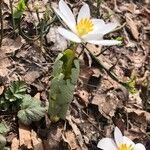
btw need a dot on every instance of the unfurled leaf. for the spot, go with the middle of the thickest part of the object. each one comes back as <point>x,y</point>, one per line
<point>16,91</point>
<point>31,110</point>
<point>65,75</point>
<point>4,128</point>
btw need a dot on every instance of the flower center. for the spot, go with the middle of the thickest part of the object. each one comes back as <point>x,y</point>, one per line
<point>84,26</point>
<point>125,147</point>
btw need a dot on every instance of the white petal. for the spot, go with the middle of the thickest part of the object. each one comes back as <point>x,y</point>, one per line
<point>118,136</point>
<point>106,144</point>
<point>104,42</point>
<point>93,36</point>
<point>84,12</point>
<point>139,146</point>
<point>128,141</point>
<point>63,18</point>
<point>69,35</point>
<point>108,27</point>
<point>98,25</point>
<point>67,13</point>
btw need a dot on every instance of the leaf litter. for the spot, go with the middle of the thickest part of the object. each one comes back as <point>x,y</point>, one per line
<point>99,102</point>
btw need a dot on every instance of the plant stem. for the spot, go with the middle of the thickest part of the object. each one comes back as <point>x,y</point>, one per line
<point>1,20</point>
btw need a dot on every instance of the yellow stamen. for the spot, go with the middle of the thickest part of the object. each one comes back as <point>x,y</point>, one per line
<point>125,147</point>
<point>84,26</point>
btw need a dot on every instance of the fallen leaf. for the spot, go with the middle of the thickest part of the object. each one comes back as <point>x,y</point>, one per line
<point>133,27</point>
<point>15,144</point>
<point>25,137</point>
<point>36,141</point>
<point>77,132</point>
<point>11,45</point>
<point>70,138</point>
<point>59,43</point>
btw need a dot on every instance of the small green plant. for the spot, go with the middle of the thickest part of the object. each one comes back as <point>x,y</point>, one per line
<point>20,9</point>
<point>13,96</point>
<point>130,85</point>
<point>16,91</point>
<point>16,99</point>
<point>4,129</point>
<point>65,75</point>
<point>31,110</point>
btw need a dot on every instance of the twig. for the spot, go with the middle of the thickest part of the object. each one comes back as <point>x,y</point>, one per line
<point>103,67</point>
<point>98,5</point>
<point>1,20</point>
<point>12,13</point>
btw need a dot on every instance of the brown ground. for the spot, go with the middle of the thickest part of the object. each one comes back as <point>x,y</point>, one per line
<point>99,103</point>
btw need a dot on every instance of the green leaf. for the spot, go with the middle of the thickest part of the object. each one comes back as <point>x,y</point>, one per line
<point>65,75</point>
<point>20,9</point>
<point>31,110</point>
<point>4,128</point>
<point>2,142</point>
<point>3,104</point>
<point>16,91</point>
<point>130,85</point>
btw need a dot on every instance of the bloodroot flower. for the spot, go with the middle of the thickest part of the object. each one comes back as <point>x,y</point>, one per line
<point>85,29</point>
<point>120,143</point>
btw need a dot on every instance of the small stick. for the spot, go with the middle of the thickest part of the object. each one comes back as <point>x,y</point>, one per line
<point>12,13</point>
<point>1,20</point>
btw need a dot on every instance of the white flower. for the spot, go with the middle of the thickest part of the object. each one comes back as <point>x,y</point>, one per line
<point>84,29</point>
<point>120,143</point>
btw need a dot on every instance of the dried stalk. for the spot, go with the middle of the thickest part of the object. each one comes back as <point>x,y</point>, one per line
<point>1,20</point>
<point>12,12</point>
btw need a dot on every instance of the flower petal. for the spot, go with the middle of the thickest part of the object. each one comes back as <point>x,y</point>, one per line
<point>139,146</point>
<point>104,42</point>
<point>128,141</point>
<point>98,25</point>
<point>92,36</point>
<point>84,12</point>
<point>106,144</point>
<point>118,136</point>
<point>69,35</point>
<point>108,28</point>
<point>67,13</point>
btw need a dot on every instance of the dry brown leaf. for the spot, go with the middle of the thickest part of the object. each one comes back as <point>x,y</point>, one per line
<point>1,90</point>
<point>84,96</point>
<point>70,138</point>
<point>107,104</point>
<point>94,49</point>
<point>36,141</point>
<point>77,133</point>
<point>25,136</point>
<point>31,76</point>
<point>132,26</point>
<point>4,64</point>
<point>54,138</point>
<point>54,37</point>
<point>15,144</point>
<point>144,114</point>
<point>10,45</point>
<point>37,96</point>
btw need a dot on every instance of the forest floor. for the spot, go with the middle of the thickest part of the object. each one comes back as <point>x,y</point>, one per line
<point>100,103</point>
